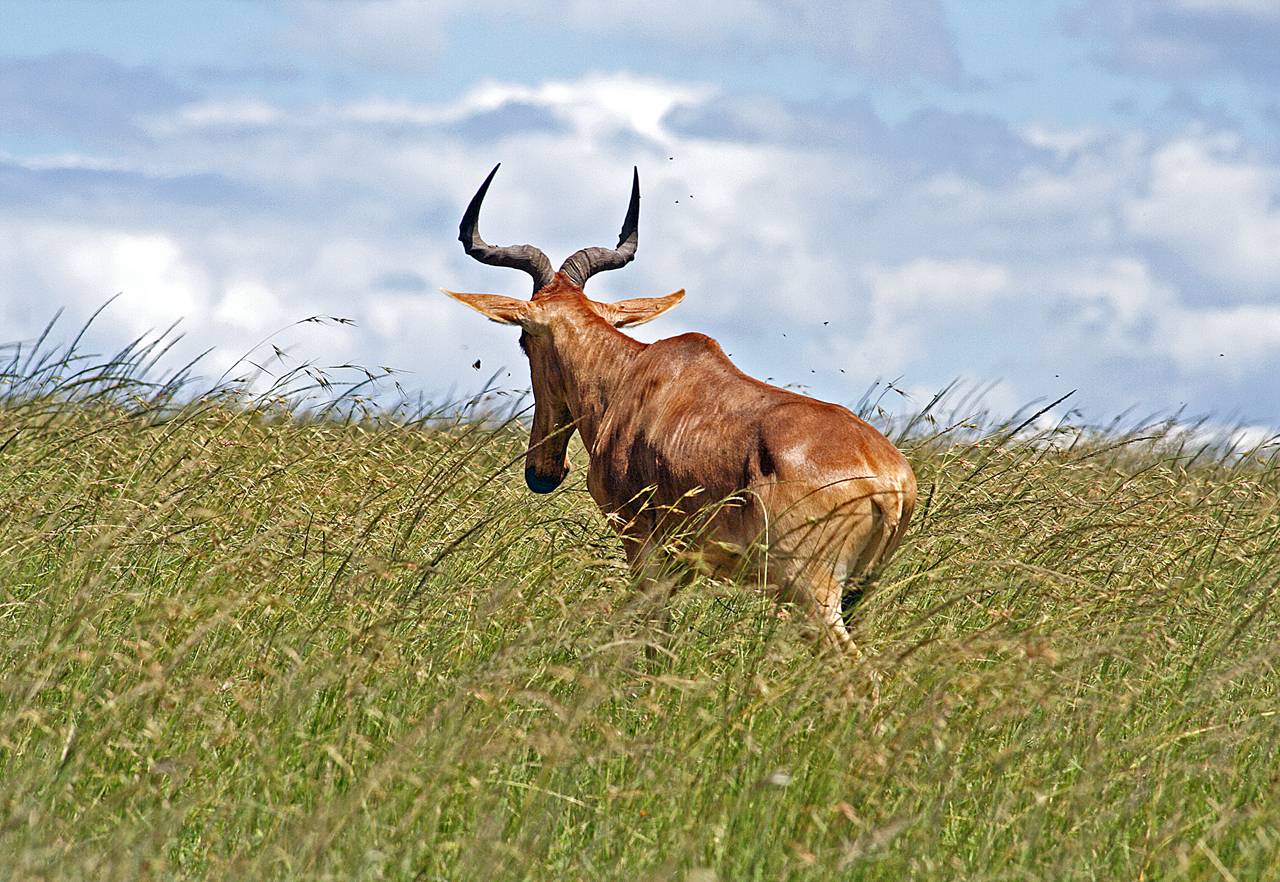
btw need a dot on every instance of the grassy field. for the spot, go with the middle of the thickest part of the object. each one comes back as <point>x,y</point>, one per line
<point>238,644</point>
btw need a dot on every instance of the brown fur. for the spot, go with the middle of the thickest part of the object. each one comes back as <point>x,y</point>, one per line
<point>820,499</point>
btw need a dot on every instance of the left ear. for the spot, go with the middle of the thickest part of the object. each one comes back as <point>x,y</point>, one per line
<point>495,307</point>
<point>636,310</point>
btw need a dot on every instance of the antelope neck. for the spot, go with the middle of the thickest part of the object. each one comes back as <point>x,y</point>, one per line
<point>594,357</point>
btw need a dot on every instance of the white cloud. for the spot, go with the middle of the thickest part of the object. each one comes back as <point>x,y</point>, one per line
<point>1035,267</point>
<point>1063,140</point>
<point>1115,294</point>
<point>374,33</point>
<point>1264,439</point>
<point>156,279</point>
<point>593,106</point>
<point>911,311</point>
<point>223,114</point>
<point>1235,341</point>
<point>51,264</point>
<point>965,284</point>
<point>250,306</point>
<point>1210,202</point>
<point>891,38</point>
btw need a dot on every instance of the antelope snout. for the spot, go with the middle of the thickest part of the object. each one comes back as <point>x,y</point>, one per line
<point>544,483</point>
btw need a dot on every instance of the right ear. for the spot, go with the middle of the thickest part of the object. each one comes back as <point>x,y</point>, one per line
<point>637,310</point>
<point>495,307</point>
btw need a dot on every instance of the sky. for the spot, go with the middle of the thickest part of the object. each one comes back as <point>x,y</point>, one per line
<point>1043,195</point>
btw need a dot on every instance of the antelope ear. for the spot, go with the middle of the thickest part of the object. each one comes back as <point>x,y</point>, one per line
<point>495,307</point>
<point>636,310</point>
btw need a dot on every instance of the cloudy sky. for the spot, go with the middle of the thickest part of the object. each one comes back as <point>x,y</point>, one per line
<point>1054,194</point>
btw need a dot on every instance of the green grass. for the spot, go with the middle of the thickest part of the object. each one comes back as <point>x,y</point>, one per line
<point>240,644</point>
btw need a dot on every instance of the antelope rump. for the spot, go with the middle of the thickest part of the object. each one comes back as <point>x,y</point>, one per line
<point>688,452</point>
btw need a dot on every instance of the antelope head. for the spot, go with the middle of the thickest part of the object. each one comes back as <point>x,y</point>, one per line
<point>560,328</point>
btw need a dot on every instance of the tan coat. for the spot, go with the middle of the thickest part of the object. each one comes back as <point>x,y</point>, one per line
<point>686,450</point>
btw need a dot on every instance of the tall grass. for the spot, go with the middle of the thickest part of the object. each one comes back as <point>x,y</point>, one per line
<point>244,636</point>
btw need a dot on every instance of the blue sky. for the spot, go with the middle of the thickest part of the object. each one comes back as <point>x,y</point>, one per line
<point>1053,195</point>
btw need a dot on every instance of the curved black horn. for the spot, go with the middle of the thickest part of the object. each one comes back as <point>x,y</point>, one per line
<point>521,257</point>
<point>582,265</point>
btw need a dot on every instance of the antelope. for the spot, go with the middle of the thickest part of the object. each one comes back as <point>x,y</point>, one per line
<point>796,492</point>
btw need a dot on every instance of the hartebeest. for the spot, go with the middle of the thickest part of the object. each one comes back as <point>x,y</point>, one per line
<point>808,497</point>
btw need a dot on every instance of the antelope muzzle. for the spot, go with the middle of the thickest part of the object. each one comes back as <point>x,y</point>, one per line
<point>540,482</point>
